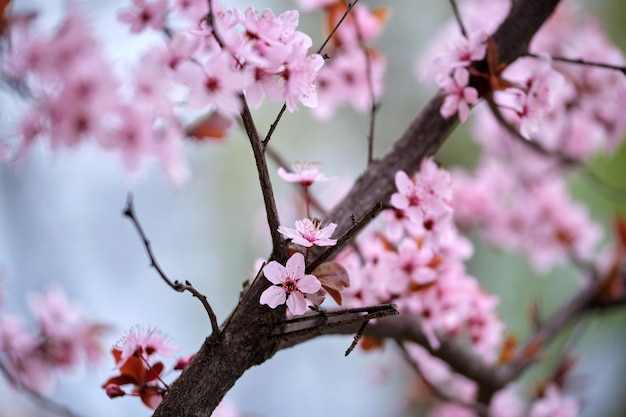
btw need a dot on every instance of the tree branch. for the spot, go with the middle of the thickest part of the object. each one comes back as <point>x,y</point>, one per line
<point>129,212</point>
<point>245,342</point>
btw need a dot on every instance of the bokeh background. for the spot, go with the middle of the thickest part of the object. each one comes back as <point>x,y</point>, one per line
<point>61,224</point>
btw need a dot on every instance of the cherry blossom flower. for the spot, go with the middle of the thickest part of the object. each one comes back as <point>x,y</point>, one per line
<point>554,404</point>
<point>309,233</point>
<point>305,173</point>
<point>214,83</point>
<point>143,14</point>
<point>143,343</point>
<point>314,4</point>
<point>290,284</point>
<point>458,95</point>
<point>464,51</point>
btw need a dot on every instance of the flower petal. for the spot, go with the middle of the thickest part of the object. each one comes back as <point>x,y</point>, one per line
<point>273,296</point>
<point>309,284</point>
<point>295,266</point>
<point>275,272</point>
<point>296,303</point>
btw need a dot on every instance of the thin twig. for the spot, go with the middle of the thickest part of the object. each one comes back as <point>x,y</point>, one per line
<point>349,8</point>
<point>346,237</point>
<point>129,212</point>
<point>356,339</point>
<point>319,51</point>
<point>579,61</point>
<point>337,313</point>
<point>457,16</point>
<point>39,400</point>
<point>375,312</point>
<point>480,408</point>
<point>370,87</point>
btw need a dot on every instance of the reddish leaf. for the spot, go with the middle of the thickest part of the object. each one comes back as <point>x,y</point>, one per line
<point>154,372</point>
<point>4,15</point>
<point>210,127</point>
<point>370,343</point>
<point>334,279</point>
<point>135,369</point>
<point>151,397</point>
<point>119,380</point>
<point>508,349</point>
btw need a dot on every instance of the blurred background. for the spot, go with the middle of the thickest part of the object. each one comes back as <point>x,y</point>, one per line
<point>61,224</point>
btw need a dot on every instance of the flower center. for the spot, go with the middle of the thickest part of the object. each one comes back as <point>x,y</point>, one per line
<point>290,286</point>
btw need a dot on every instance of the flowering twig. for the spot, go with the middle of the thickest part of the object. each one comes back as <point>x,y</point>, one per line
<point>457,16</point>
<point>346,237</point>
<point>618,195</point>
<point>129,212</point>
<point>579,61</point>
<point>370,86</point>
<point>480,408</point>
<point>357,337</point>
<point>39,400</point>
<point>281,162</point>
<point>319,51</point>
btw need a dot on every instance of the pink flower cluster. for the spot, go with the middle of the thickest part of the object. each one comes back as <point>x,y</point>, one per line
<point>516,196</point>
<point>79,98</point>
<point>291,285</point>
<point>344,79</point>
<point>136,360</point>
<point>62,340</point>
<point>417,263</point>
<point>537,218</point>
<point>454,77</point>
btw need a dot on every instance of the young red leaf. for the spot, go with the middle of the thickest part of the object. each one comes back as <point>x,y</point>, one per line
<point>210,127</point>
<point>334,279</point>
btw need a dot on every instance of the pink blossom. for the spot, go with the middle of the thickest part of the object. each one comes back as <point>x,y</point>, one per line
<point>343,80</point>
<point>458,95</point>
<point>464,51</point>
<point>193,10</point>
<point>554,404</point>
<point>215,82</point>
<point>309,233</point>
<point>143,14</point>
<point>291,284</point>
<point>314,4</point>
<point>305,173</point>
<point>143,343</point>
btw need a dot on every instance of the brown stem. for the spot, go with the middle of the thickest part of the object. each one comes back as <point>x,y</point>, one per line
<point>457,16</point>
<point>370,88</point>
<point>319,51</point>
<point>129,212</point>
<point>480,408</point>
